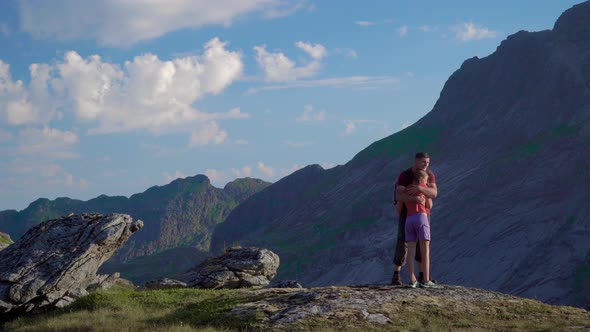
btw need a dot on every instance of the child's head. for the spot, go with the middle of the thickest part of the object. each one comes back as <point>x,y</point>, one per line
<point>420,176</point>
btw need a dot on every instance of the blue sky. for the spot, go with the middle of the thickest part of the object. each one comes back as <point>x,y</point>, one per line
<point>114,97</point>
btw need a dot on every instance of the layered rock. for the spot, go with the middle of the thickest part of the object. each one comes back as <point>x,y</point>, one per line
<point>56,261</point>
<point>236,268</point>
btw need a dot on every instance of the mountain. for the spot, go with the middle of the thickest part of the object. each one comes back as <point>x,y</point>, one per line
<point>509,139</point>
<point>179,218</point>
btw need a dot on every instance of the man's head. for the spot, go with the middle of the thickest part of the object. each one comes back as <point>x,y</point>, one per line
<point>421,161</point>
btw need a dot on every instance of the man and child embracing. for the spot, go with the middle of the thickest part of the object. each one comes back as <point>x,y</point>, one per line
<point>414,191</point>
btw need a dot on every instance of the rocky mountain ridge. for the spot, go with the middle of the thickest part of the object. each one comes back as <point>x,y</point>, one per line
<point>179,218</point>
<point>509,140</point>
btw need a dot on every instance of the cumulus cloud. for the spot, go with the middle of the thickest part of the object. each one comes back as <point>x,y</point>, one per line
<point>402,31</point>
<point>469,31</point>
<point>279,68</point>
<point>268,171</point>
<point>427,28</point>
<point>123,23</point>
<point>207,133</point>
<point>311,115</point>
<point>21,104</point>
<point>146,93</point>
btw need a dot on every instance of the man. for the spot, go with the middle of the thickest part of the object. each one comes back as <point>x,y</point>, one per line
<point>421,162</point>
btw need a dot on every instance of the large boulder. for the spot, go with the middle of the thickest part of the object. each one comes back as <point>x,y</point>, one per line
<point>5,240</point>
<point>56,261</point>
<point>236,268</point>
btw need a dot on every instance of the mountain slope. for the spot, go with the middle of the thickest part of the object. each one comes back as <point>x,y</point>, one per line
<point>510,144</point>
<point>180,215</point>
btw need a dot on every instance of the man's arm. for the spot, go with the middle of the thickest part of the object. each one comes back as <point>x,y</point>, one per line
<point>404,197</point>
<point>430,192</point>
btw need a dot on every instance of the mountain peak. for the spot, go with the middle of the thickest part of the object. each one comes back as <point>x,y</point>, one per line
<point>573,25</point>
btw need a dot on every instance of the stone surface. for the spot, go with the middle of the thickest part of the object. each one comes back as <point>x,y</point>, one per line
<point>236,268</point>
<point>164,283</point>
<point>286,284</point>
<point>56,261</point>
<point>378,307</point>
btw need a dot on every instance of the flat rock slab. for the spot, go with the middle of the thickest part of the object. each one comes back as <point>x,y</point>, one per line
<point>381,306</point>
<point>56,261</point>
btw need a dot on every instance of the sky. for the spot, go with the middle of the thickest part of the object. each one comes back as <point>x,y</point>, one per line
<point>115,96</point>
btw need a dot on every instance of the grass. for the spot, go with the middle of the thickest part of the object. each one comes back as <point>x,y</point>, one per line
<point>122,309</point>
<point>5,240</point>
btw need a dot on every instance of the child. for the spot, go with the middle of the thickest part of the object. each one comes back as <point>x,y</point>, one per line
<point>418,229</point>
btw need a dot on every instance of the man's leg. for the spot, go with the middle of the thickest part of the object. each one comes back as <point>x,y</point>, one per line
<point>400,249</point>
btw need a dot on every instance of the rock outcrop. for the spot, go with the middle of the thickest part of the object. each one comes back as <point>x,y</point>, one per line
<point>5,240</point>
<point>236,268</point>
<point>56,261</point>
<point>164,283</point>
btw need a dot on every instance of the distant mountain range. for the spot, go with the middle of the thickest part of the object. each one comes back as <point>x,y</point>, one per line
<point>179,219</point>
<point>509,140</point>
<point>510,144</point>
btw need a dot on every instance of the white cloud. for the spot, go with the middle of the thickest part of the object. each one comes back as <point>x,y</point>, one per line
<point>207,133</point>
<point>268,171</point>
<point>245,171</point>
<point>47,142</point>
<point>336,82</point>
<point>279,68</point>
<point>468,31</point>
<point>316,51</point>
<point>217,177</point>
<point>364,23</point>
<point>287,9</point>
<point>171,177</point>
<point>402,31</point>
<point>147,93</point>
<point>20,104</point>
<point>123,23</point>
<point>311,115</point>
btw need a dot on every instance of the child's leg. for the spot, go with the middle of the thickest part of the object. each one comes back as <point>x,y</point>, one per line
<point>410,259</point>
<point>425,249</point>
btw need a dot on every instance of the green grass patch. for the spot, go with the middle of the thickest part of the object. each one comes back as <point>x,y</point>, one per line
<point>121,309</point>
<point>5,240</point>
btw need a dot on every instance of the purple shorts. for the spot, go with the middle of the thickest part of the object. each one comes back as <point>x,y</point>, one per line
<point>417,228</point>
